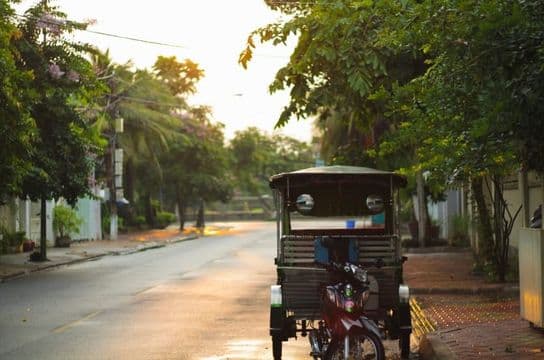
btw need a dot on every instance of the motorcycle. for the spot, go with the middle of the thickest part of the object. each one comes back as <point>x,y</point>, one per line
<point>345,332</point>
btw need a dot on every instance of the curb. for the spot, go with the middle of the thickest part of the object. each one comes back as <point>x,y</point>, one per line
<point>431,347</point>
<point>434,249</point>
<point>14,276</point>
<point>135,250</point>
<point>95,257</point>
<point>421,325</point>
<point>185,238</point>
<point>49,266</point>
<point>504,290</point>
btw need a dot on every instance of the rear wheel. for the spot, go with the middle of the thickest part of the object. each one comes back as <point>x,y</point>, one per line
<point>361,347</point>
<point>276,347</point>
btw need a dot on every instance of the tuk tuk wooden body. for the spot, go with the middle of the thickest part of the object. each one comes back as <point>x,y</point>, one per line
<point>337,191</point>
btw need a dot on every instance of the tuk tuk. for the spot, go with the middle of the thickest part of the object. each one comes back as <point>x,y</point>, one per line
<point>356,210</point>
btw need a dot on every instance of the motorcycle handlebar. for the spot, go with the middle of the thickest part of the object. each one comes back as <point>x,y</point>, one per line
<point>352,271</point>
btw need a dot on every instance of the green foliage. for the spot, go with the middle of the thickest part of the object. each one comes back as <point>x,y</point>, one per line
<point>62,81</point>
<point>338,61</point>
<point>256,156</point>
<point>196,163</point>
<point>458,83</point>
<point>17,127</point>
<point>10,240</point>
<point>460,227</point>
<point>105,218</point>
<point>13,238</point>
<point>139,221</point>
<point>66,221</point>
<point>121,224</point>
<point>181,77</point>
<point>451,78</point>
<point>165,218</point>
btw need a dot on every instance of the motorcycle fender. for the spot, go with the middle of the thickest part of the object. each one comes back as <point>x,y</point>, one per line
<point>371,326</point>
<point>363,323</point>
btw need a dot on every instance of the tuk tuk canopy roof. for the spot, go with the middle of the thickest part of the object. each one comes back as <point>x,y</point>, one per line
<point>338,172</point>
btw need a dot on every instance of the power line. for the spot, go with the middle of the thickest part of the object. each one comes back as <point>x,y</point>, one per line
<point>135,39</point>
<point>141,40</point>
<point>109,34</point>
<point>146,101</point>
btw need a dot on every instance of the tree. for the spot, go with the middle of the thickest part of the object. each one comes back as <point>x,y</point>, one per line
<point>147,107</point>
<point>465,111</point>
<point>146,104</point>
<point>338,61</point>
<point>256,156</point>
<point>344,68</point>
<point>458,82</point>
<point>196,165</point>
<point>17,127</point>
<point>250,150</point>
<point>62,82</point>
<point>181,77</point>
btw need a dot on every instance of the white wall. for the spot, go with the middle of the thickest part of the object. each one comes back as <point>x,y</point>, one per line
<point>512,195</point>
<point>91,228</point>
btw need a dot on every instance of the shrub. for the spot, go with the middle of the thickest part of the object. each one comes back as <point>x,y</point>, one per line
<point>139,221</point>
<point>106,219</point>
<point>10,240</point>
<point>165,218</point>
<point>66,221</point>
<point>460,225</point>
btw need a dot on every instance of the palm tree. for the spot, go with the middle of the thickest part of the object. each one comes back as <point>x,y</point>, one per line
<point>146,105</point>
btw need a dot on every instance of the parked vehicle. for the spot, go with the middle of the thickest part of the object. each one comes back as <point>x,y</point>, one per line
<point>345,217</point>
<point>345,331</point>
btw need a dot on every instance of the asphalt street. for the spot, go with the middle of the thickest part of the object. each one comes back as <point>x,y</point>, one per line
<point>203,299</point>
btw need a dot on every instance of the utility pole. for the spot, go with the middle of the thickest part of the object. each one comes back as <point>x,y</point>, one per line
<point>116,185</point>
<point>43,204</point>
<point>422,213</point>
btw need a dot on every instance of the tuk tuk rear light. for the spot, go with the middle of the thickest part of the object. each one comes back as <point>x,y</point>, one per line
<point>404,294</point>
<point>275,296</point>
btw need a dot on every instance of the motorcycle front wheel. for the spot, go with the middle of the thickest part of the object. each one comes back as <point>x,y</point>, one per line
<point>361,347</point>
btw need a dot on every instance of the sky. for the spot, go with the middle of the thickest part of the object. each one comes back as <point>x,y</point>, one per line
<point>211,33</point>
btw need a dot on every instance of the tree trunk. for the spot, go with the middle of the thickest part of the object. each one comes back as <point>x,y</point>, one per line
<point>129,180</point>
<point>422,209</point>
<point>485,232</point>
<point>43,229</point>
<point>200,215</point>
<point>149,211</point>
<point>182,207</point>
<point>500,245</point>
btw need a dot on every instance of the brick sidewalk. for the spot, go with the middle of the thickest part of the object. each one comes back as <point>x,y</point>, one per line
<point>474,319</point>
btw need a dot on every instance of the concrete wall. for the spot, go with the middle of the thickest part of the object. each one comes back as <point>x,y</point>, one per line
<point>24,215</point>
<point>35,222</point>
<point>9,216</point>
<point>444,212</point>
<point>513,197</point>
<point>91,228</point>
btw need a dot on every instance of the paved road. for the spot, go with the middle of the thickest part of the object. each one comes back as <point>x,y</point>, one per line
<point>204,299</point>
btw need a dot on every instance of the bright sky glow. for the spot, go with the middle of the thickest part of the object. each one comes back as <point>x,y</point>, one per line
<point>212,33</point>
